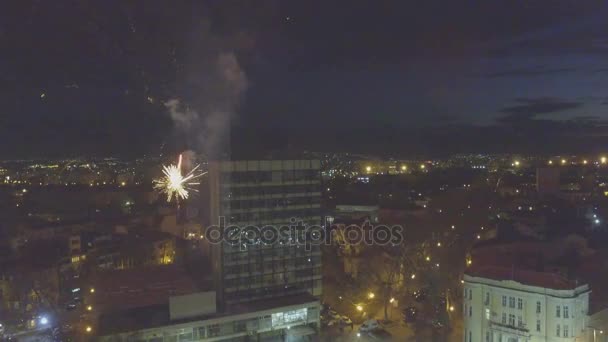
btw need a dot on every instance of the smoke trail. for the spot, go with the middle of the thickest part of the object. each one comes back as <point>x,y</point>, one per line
<point>216,98</point>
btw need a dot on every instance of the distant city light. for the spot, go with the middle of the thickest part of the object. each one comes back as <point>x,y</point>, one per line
<point>516,163</point>
<point>585,161</point>
<point>368,168</point>
<point>413,276</point>
<point>597,221</point>
<point>422,166</point>
<point>563,161</point>
<point>88,329</point>
<point>392,300</point>
<point>44,320</point>
<point>603,160</point>
<point>359,308</point>
<point>371,295</point>
<point>550,162</point>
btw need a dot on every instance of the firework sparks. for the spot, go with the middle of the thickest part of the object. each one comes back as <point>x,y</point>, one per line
<point>174,184</point>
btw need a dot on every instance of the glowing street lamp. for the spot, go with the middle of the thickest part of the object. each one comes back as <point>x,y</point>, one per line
<point>603,160</point>
<point>403,167</point>
<point>368,168</point>
<point>88,329</point>
<point>585,162</point>
<point>413,276</point>
<point>563,161</point>
<point>92,290</point>
<point>89,308</point>
<point>422,166</point>
<point>550,162</point>
<point>359,308</point>
<point>371,295</point>
<point>392,300</point>
<point>451,308</point>
<point>516,163</point>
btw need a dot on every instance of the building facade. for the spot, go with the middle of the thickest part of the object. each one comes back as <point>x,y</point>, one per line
<point>506,310</point>
<point>265,193</point>
<point>297,321</point>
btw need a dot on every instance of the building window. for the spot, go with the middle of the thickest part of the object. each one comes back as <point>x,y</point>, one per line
<point>557,330</point>
<point>565,315</point>
<point>470,310</point>
<point>557,311</point>
<point>487,313</point>
<point>487,301</point>
<point>214,330</point>
<point>504,300</point>
<point>470,294</point>
<point>470,336</point>
<point>538,325</point>
<point>201,332</point>
<point>185,337</point>
<point>565,331</point>
<point>511,320</point>
<point>520,303</point>
<point>465,309</point>
<point>511,302</point>
<point>537,307</point>
<point>487,336</point>
<point>465,293</point>
<point>504,318</point>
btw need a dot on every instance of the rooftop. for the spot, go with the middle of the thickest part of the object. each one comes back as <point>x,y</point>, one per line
<point>154,316</point>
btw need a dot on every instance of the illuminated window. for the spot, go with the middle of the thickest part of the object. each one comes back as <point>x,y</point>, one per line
<point>282,318</point>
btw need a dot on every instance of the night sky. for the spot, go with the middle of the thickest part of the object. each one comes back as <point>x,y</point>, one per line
<point>399,77</point>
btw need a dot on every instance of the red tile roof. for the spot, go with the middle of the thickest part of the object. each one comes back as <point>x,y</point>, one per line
<point>533,278</point>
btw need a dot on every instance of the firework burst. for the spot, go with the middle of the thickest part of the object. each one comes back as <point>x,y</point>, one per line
<point>176,185</point>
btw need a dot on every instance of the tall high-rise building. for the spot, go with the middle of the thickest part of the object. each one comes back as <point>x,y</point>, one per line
<point>265,193</point>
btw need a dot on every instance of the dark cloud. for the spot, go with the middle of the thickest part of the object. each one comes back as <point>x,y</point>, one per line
<point>528,108</point>
<point>528,72</point>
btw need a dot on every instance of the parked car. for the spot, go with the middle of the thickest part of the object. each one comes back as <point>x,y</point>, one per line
<point>369,325</point>
<point>380,335</point>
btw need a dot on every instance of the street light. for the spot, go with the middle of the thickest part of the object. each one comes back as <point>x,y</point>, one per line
<point>88,329</point>
<point>371,295</point>
<point>44,320</point>
<point>92,290</point>
<point>392,300</point>
<point>563,161</point>
<point>413,276</point>
<point>603,160</point>
<point>359,308</point>
<point>89,308</point>
<point>451,308</point>
<point>368,169</point>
